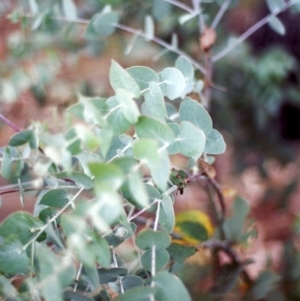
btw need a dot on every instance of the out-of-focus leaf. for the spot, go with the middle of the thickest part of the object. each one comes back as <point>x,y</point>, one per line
<point>130,281</point>
<point>166,214</point>
<point>69,9</point>
<point>163,282</point>
<point>148,238</point>
<point>173,82</point>
<point>13,259</point>
<point>76,296</point>
<point>80,178</point>
<point>277,25</point>
<point>149,28</point>
<point>180,252</point>
<point>137,294</point>
<point>143,76</point>
<point>56,198</point>
<point>21,224</point>
<point>162,258</point>
<point>121,79</point>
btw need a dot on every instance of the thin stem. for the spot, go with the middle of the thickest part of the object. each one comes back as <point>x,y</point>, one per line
<point>143,210</point>
<point>250,31</point>
<point>9,123</point>
<point>78,276</point>
<point>220,14</point>
<point>42,229</point>
<point>162,43</point>
<point>180,5</point>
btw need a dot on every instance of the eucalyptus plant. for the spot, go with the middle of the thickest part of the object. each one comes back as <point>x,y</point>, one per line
<point>96,180</point>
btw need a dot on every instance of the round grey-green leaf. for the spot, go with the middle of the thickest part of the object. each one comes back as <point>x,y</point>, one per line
<point>173,82</point>
<point>190,110</point>
<point>143,76</point>
<point>149,238</point>
<point>215,143</point>
<point>162,258</point>
<point>131,281</point>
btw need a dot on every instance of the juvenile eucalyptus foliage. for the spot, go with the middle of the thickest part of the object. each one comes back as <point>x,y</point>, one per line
<point>95,180</point>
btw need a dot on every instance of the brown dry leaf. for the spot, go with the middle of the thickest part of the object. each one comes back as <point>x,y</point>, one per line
<point>207,168</point>
<point>207,39</point>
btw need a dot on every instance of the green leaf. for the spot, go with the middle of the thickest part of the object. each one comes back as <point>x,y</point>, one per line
<point>277,25</point>
<point>111,275</point>
<point>162,258</point>
<point>102,25</point>
<point>56,198</point>
<point>130,109</point>
<point>179,253</point>
<point>55,273</point>
<point>155,102</point>
<point>7,289</point>
<point>121,79</point>
<point>110,175</point>
<point>151,128</point>
<point>263,284</point>
<point>137,189</point>
<point>80,178</point>
<point>69,9</point>
<point>187,69</point>
<point>13,260</point>
<point>173,82</point>
<point>276,5</point>
<point>161,10</point>
<point>137,294</point>
<point>11,165</point>
<point>215,143</point>
<point>191,140</point>
<point>190,110</point>
<point>234,225</point>
<point>174,148</point>
<point>21,224</point>
<point>156,160</point>
<point>166,214</point>
<point>143,76</point>
<point>148,238</point>
<point>92,274</point>
<point>129,282</point>
<point>149,28</point>
<point>76,296</point>
<point>170,288</point>
<point>116,118</point>
<point>20,138</point>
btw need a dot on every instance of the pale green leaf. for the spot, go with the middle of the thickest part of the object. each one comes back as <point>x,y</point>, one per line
<point>148,238</point>
<point>22,224</point>
<point>162,258</point>
<point>137,189</point>
<point>276,5</point>
<point>149,28</point>
<point>190,110</point>
<point>173,82</point>
<point>191,140</point>
<point>166,214</point>
<point>170,288</point>
<point>121,79</point>
<point>13,260</point>
<point>109,175</point>
<point>151,128</point>
<point>69,9</point>
<point>155,102</point>
<point>174,148</point>
<point>215,143</point>
<point>130,281</point>
<point>161,9</point>
<point>277,25</point>
<point>137,294</point>
<point>75,296</point>
<point>130,109</point>
<point>143,76</point>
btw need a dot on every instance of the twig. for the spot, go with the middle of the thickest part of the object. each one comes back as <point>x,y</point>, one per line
<point>250,31</point>
<point>180,5</point>
<point>9,123</point>
<point>140,34</point>
<point>220,14</point>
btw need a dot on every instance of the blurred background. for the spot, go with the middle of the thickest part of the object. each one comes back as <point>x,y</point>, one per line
<point>255,103</point>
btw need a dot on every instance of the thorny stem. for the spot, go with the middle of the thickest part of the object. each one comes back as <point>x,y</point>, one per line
<point>250,31</point>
